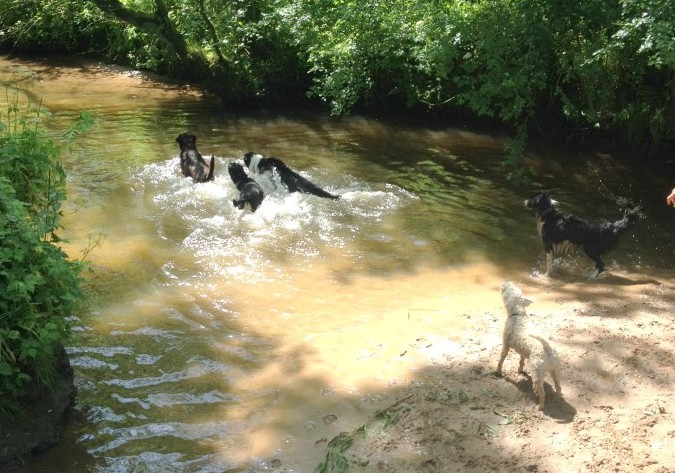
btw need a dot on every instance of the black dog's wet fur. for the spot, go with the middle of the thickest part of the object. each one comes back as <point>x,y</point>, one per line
<point>294,181</point>
<point>558,231</point>
<point>250,191</point>
<point>191,162</point>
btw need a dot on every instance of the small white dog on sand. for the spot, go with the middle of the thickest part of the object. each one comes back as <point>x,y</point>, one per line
<point>517,335</point>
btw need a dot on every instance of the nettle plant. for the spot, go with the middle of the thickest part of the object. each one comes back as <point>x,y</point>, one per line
<point>39,285</point>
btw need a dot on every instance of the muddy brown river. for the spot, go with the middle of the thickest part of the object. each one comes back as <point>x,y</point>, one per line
<point>219,340</point>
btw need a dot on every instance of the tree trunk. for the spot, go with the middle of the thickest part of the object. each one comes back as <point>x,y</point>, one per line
<point>220,78</point>
<point>157,24</point>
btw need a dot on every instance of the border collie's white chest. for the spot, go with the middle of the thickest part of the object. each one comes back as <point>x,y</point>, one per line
<point>253,164</point>
<point>254,167</point>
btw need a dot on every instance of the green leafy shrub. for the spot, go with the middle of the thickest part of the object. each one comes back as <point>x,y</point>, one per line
<point>559,69</point>
<point>39,285</point>
<point>619,76</point>
<point>54,26</point>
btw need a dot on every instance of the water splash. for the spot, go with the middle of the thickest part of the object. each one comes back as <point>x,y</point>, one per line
<point>247,247</point>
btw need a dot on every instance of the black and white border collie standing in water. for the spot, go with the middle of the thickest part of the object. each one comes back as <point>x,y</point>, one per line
<point>561,233</point>
<point>250,193</point>
<point>191,162</point>
<point>267,166</point>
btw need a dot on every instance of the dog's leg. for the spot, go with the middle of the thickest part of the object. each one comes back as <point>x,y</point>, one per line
<point>599,264</point>
<point>538,375</point>
<point>549,263</point>
<point>555,375</point>
<point>521,365</point>
<point>539,391</point>
<point>505,351</point>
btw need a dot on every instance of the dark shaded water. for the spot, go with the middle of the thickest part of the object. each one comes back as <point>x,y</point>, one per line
<point>224,341</point>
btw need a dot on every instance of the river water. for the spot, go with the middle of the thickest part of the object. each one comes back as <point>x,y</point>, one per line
<point>219,340</point>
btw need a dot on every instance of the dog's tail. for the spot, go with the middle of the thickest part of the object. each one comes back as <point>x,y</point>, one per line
<point>544,343</point>
<point>212,168</point>
<point>308,187</point>
<point>296,183</point>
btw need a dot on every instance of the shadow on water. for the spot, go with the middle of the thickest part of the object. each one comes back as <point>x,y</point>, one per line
<point>221,341</point>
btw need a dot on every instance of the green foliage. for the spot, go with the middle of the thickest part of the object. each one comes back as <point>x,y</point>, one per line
<point>550,66</point>
<point>336,450</point>
<point>40,187</point>
<point>620,76</point>
<point>593,65</point>
<point>336,460</point>
<point>39,286</point>
<point>244,41</point>
<point>359,50</point>
<point>474,54</point>
<point>488,57</point>
<point>54,25</point>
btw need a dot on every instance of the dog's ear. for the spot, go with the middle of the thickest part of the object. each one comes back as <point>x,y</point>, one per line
<point>525,301</point>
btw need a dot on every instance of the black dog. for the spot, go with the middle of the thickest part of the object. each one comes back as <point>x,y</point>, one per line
<point>258,164</point>
<point>561,233</point>
<point>191,162</point>
<point>250,191</point>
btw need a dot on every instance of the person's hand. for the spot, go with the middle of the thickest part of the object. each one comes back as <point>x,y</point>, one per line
<point>670,200</point>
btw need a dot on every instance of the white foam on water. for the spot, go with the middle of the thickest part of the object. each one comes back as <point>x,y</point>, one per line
<point>237,244</point>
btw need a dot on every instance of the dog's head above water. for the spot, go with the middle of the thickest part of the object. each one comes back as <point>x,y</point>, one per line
<point>541,203</point>
<point>237,173</point>
<point>252,161</point>
<point>513,297</point>
<point>186,141</point>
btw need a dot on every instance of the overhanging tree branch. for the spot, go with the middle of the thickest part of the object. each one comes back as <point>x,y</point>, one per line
<point>212,30</point>
<point>157,23</point>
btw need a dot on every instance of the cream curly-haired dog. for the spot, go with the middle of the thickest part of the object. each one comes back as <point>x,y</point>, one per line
<point>518,335</point>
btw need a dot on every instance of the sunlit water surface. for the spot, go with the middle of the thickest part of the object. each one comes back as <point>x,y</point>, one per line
<point>221,340</point>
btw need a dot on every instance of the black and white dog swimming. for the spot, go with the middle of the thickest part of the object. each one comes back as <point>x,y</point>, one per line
<point>250,192</point>
<point>561,233</point>
<point>191,162</point>
<point>268,166</point>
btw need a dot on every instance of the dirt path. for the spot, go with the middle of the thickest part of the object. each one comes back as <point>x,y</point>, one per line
<point>616,340</point>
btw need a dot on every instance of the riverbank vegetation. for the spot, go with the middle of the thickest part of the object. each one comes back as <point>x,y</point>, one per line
<point>569,70</point>
<point>39,284</point>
